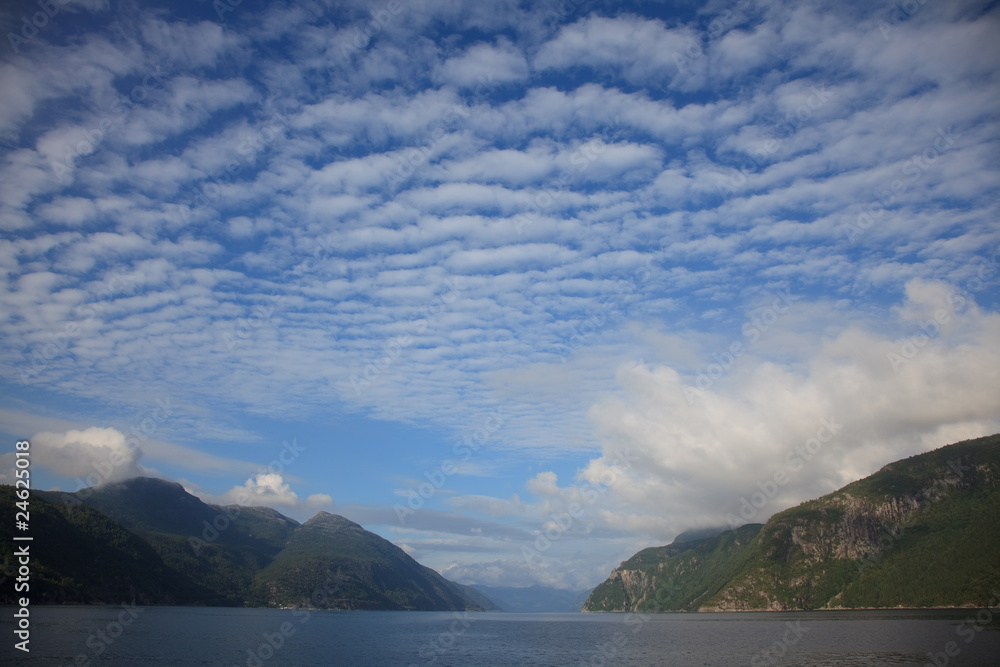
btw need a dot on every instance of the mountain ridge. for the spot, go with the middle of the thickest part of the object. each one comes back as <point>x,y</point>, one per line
<point>534,599</point>
<point>869,544</point>
<point>169,547</point>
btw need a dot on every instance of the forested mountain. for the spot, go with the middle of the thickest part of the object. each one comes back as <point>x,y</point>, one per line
<point>149,540</point>
<point>920,532</point>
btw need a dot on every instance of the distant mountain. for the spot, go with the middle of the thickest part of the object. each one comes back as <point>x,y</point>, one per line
<point>870,544</point>
<point>149,540</point>
<point>534,599</point>
<point>480,598</point>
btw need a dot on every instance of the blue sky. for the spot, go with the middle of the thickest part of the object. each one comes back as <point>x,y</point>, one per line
<point>523,287</point>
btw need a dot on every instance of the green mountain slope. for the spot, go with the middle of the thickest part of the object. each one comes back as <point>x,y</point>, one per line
<point>220,549</point>
<point>150,540</point>
<point>333,563</point>
<point>675,577</point>
<point>873,543</point>
<point>83,557</point>
<point>149,505</point>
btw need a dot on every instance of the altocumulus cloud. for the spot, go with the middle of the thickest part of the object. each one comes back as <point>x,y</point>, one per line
<point>581,215</point>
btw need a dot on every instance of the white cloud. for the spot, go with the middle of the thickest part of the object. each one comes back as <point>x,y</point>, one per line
<point>269,489</point>
<point>305,264</point>
<point>319,501</point>
<point>484,65</point>
<point>639,48</point>
<point>705,441</point>
<point>95,455</point>
<point>190,45</point>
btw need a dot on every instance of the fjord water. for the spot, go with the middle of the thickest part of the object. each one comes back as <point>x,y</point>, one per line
<point>257,637</point>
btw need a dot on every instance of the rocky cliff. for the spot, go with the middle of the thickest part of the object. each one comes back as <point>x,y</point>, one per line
<point>921,532</point>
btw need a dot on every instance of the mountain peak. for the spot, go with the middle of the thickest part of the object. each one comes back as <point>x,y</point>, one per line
<point>176,549</point>
<point>142,483</point>
<point>328,519</point>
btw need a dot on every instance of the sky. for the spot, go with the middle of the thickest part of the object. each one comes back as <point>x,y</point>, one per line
<point>522,287</point>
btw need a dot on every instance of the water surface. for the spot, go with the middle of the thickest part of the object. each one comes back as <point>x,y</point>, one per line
<point>257,637</point>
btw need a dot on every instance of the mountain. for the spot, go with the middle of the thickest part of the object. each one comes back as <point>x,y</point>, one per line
<point>480,598</point>
<point>146,504</point>
<point>870,544</point>
<point>220,549</point>
<point>677,577</point>
<point>352,569</point>
<point>83,557</point>
<point>533,599</point>
<point>149,540</point>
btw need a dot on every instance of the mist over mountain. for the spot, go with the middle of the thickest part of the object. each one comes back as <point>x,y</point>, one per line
<point>149,540</point>
<point>921,532</point>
